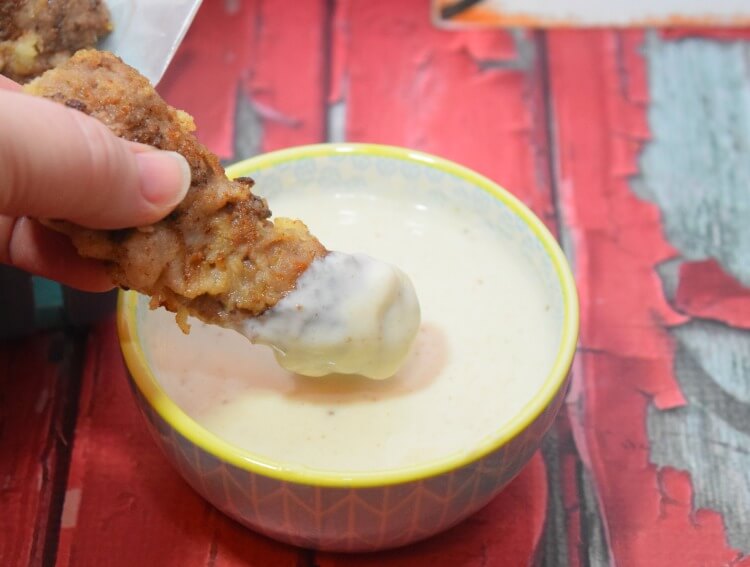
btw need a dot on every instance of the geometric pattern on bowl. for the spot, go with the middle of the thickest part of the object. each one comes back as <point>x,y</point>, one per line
<point>348,519</point>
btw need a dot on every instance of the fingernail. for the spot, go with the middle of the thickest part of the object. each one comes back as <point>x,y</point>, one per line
<point>164,176</point>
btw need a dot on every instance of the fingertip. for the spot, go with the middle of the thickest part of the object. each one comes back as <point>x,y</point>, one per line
<point>164,179</point>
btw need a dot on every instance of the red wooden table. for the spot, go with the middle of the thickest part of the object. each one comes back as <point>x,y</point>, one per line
<point>633,146</point>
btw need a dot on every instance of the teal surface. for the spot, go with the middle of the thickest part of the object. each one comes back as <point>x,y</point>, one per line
<point>48,303</point>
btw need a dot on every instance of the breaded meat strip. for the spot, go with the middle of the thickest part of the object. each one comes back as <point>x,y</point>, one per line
<point>36,35</point>
<point>217,256</point>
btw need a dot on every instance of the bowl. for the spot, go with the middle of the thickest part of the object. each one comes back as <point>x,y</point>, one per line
<point>378,510</point>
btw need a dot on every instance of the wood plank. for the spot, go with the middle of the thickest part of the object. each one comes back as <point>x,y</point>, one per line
<point>475,97</point>
<point>38,387</point>
<point>124,504</point>
<point>241,53</point>
<point>205,75</point>
<point>625,369</point>
<point>696,170</point>
<point>288,83</point>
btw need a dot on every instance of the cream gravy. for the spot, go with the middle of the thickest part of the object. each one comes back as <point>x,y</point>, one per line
<point>487,341</point>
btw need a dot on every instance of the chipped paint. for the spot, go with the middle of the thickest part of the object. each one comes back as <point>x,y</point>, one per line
<point>241,47</point>
<point>711,437</point>
<point>33,391</point>
<point>70,508</point>
<point>706,291</point>
<point>626,363</point>
<point>698,170</point>
<point>430,95</point>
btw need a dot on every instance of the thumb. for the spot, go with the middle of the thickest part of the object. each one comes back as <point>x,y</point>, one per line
<point>58,163</point>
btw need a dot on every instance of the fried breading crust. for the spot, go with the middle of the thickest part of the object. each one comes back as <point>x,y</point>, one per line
<point>36,35</point>
<point>216,256</point>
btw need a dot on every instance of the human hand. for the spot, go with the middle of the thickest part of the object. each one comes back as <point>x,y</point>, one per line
<point>57,163</point>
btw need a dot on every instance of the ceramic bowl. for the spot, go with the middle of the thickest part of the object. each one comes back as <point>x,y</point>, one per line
<point>364,512</point>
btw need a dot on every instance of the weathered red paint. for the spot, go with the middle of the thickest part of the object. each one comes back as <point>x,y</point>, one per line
<point>705,290</point>
<point>287,82</point>
<point>204,76</point>
<point>32,393</point>
<point>627,355</point>
<point>473,97</point>
<point>261,50</point>
<point>469,96</point>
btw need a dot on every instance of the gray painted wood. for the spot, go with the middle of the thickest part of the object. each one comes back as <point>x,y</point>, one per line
<point>555,545</point>
<point>697,170</point>
<point>248,129</point>
<point>711,436</point>
<point>697,166</point>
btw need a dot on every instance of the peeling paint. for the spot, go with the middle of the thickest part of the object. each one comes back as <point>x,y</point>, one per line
<point>416,86</point>
<point>697,170</point>
<point>706,291</point>
<point>208,71</point>
<point>711,437</point>
<point>626,365</point>
<point>70,508</point>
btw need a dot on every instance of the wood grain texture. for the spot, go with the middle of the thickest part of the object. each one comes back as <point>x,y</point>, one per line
<point>268,55</point>
<point>474,97</point>
<point>710,437</point>
<point>120,484</point>
<point>696,169</point>
<point>38,387</point>
<point>625,369</point>
<point>206,73</point>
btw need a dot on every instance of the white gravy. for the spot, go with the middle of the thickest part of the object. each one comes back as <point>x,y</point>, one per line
<point>348,314</point>
<point>486,342</point>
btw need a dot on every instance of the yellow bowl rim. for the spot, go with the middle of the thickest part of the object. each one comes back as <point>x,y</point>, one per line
<point>169,411</point>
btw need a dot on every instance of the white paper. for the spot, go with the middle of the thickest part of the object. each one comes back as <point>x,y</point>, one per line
<point>147,32</point>
<point>617,12</point>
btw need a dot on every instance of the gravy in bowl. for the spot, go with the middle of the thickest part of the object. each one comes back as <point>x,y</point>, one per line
<point>490,331</point>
